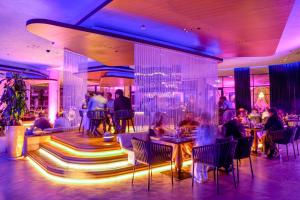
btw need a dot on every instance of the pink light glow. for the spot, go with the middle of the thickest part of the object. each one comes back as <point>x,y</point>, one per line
<point>53,97</point>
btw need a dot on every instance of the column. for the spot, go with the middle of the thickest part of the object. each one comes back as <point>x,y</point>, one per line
<point>53,95</point>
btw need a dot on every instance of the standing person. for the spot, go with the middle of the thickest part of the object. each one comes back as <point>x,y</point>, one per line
<point>110,109</point>
<point>96,102</point>
<point>121,103</point>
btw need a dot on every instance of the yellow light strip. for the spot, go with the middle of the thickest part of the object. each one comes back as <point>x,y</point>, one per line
<point>85,167</point>
<point>96,181</point>
<point>87,154</point>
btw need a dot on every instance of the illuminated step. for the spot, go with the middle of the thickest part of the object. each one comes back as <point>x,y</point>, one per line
<point>87,154</point>
<point>74,158</point>
<point>77,178</point>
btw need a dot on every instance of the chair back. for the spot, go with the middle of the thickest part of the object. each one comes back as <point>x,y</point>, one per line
<point>216,155</point>
<point>243,148</point>
<point>225,153</point>
<point>284,136</point>
<point>297,135</point>
<point>141,150</point>
<point>98,114</point>
<point>161,152</point>
<point>124,114</point>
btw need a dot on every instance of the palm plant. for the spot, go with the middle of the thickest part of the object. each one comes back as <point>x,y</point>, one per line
<point>13,100</point>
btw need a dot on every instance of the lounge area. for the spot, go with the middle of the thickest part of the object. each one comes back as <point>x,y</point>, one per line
<point>139,99</point>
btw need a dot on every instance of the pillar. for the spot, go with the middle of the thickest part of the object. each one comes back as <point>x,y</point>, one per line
<point>53,95</point>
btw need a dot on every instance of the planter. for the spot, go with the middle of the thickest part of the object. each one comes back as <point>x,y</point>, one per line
<point>15,140</point>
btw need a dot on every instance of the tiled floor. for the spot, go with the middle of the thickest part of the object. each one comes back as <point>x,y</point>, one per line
<point>274,179</point>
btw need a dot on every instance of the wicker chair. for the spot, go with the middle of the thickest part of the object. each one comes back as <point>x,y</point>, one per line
<point>216,156</point>
<point>297,137</point>
<point>285,136</point>
<point>96,117</point>
<point>126,115</point>
<point>243,150</point>
<point>149,153</point>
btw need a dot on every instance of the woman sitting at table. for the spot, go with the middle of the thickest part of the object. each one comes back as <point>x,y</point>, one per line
<point>189,122</point>
<point>273,124</point>
<point>206,134</point>
<point>159,125</point>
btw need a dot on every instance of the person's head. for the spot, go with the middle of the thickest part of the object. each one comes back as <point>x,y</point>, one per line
<point>254,111</point>
<point>41,114</point>
<point>228,115</point>
<point>242,112</point>
<point>273,112</point>
<point>119,93</point>
<point>189,116</point>
<point>205,118</point>
<point>281,113</point>
<point>108,95</point>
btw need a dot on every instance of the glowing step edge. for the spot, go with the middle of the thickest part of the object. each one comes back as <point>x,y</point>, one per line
<point>87,154</point>
<point>99,180</point>
<point>85,167</point>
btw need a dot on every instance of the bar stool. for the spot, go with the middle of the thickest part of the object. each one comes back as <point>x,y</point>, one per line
<point>126,115</point>
<point>96,117</point>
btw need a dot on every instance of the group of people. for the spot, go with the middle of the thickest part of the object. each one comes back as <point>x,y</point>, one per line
<point>98,101</point>
<point>271,120</point>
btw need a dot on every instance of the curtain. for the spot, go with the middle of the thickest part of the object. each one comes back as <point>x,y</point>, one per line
<point>285,87</point>
<point>172,83</point>
<point>242,88</point>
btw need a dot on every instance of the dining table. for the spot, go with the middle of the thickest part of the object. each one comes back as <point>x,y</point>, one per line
<point>182,150</point>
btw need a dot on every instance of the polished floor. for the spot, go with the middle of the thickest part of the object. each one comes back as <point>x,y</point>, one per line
<point>274,179</point>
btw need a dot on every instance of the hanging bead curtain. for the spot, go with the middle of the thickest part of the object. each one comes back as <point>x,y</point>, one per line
<point>74,84</point>
<point>172,83</point>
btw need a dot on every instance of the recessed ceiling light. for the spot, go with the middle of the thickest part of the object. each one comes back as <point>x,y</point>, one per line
<point>143,27</point>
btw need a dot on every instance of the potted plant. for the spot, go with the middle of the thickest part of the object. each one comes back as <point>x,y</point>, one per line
<point>13,107</point>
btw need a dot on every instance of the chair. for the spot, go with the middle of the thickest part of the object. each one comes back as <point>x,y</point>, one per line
<point>243,150</point>
<point>297,137</point>
<point>81,116</point>
<point>285,136</point>
<point>126,115</point>
<point>216,156</point>
<point>96,117</point>
<point>149,153</point>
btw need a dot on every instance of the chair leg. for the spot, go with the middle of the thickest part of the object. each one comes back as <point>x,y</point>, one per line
<point>80,125</point>
<point>149,177</point>
<point>172,172</point>
<point>133,174</point>
<point>193,176</point>
<point>237,170</point>
<point>214,174</point>
<point>151,173</point>
<point>297,147</point>
<point>233,175</point>
<point>294,149</point>
<point>217,180</point>
<point>132,124</point>
<point>251,166</point>
<point>287,151</point>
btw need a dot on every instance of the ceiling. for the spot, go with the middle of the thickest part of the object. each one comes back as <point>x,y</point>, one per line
<point>252,33</point>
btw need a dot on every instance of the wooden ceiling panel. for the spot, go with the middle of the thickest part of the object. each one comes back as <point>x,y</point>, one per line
<point>242,28</point>
<point>105,49</point>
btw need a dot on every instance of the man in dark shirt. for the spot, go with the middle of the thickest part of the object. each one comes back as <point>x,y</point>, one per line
<point>41,122</point>
<point>123,105</point>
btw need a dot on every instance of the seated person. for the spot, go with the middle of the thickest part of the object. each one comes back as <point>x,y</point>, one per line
<point>61,121</point>
<point>233,127</point>
<point>189,122</point>
<point>242,116</point>
<point>158,125</point>
<point>41,122</point>
<point>273,124</point>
